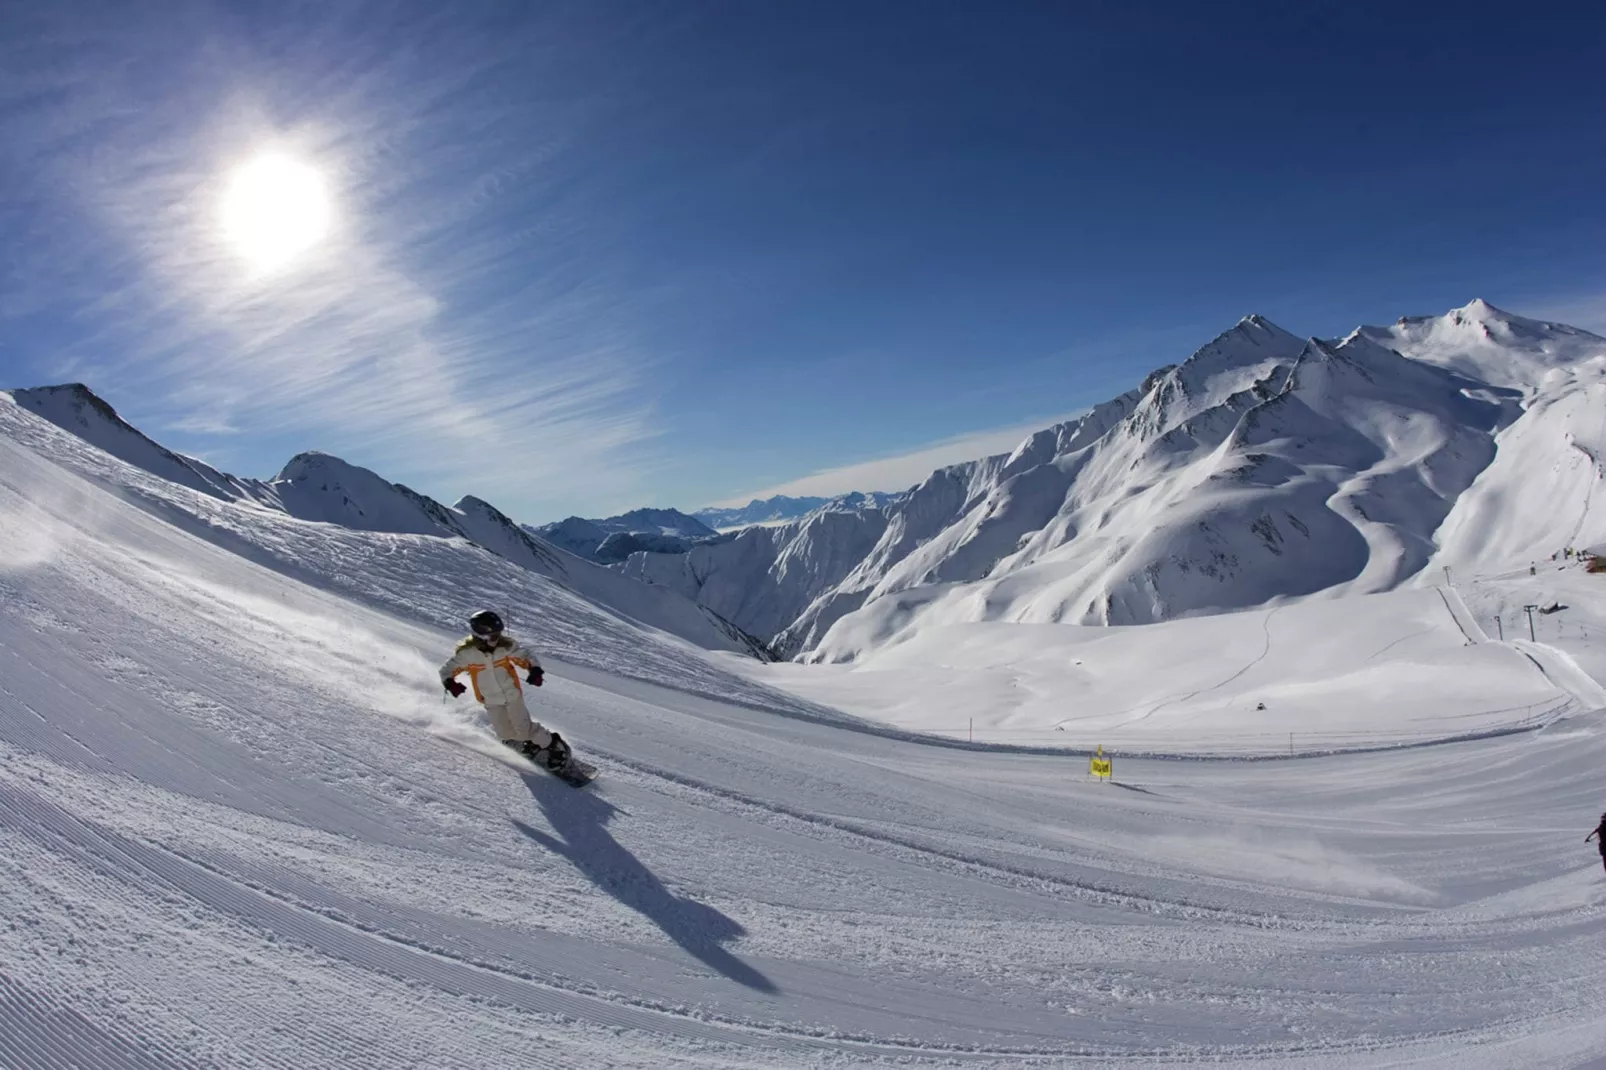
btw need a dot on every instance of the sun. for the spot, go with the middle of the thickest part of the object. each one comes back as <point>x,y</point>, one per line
<point>275,209</point>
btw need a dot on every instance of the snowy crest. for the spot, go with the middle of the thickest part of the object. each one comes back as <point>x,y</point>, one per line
<point>1262,467</point>
<point>1486,343</point>
<point>318,486</point>
<point>74,407</point>
<point>610,540</point>
<point>324,490</point>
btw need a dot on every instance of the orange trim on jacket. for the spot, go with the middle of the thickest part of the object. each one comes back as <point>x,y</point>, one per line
<point>474,659</point>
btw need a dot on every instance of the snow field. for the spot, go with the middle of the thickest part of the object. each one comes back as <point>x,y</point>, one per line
<point>1392,669</point>
<point>239,827</point>
<point>1263,468</point>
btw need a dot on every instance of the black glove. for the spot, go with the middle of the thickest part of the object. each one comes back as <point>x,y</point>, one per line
<point>454,688</point>
<point>536,676</point>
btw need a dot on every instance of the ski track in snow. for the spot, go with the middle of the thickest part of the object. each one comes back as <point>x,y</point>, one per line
<point>238,828</point>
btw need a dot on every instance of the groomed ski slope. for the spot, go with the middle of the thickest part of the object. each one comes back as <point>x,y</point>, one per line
<point>238,828</point>
<point>1404,668</point>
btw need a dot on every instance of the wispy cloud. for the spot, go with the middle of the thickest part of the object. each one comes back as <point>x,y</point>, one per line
<point>450,325</point>
<point>904,469</point>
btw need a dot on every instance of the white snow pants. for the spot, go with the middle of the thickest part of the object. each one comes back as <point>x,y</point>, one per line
<point>511,721</point>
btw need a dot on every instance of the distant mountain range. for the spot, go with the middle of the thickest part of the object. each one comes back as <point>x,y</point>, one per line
<point>1264,467</point>
<point>611,540</point>
<point>782,508</point>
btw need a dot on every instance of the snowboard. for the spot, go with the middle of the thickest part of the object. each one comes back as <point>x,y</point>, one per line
<point>575,773</point>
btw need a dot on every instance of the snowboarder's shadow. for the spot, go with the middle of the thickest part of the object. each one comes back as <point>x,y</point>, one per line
<point>580,818</point>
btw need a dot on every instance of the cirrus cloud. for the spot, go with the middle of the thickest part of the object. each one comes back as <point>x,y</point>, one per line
<point>897,471</point>
<point>450,332</point>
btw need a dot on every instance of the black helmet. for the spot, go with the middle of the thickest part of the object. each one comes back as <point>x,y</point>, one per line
<point>485,624</point>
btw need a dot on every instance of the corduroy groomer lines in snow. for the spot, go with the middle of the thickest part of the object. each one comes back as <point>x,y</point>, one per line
<point>234,832</point>
<point>719,536</point>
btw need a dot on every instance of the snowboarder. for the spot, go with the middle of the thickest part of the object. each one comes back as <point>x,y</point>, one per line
<point>493,662</point>
<point>1600,831</point>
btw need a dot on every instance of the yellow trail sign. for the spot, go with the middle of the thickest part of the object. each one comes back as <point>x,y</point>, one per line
<point>1101,764</point>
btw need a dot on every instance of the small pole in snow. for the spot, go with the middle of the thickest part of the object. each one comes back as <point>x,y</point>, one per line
<point>1447,575</point>
<point>1290,744</point>
<point>973,729</point>
<point>1501,628</point>
<point>1530,611</point>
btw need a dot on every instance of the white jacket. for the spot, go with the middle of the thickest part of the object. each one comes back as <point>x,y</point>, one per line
<point>496,675</point>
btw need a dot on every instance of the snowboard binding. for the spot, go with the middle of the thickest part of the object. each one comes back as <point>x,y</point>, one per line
<point>554,757</point>
<point>557,759</point>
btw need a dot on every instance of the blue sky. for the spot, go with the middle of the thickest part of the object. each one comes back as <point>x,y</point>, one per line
<point>593,255</point>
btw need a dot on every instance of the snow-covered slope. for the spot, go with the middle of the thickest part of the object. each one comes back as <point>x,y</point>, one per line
<point>1545,490</point>
<point>766,576</point>
<point>325,490</point>
<point>1231,482</point>
<point>1264,467</point>
<point>1487,343</point>
<point>489,527</point>
<point>239,828</point>
<point>1404,667</point>
<point>1568,608</point>
<point>74,407</point>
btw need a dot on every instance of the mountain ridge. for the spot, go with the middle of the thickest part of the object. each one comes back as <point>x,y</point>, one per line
<point>1208,488</point>
<point>780,508</point>
<point>609,540</point>
<point>321,488</point>
<point>1262,467</point>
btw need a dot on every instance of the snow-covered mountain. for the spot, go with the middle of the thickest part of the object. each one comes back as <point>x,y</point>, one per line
<point>242,827</point>
<point>613,540</point>
<point>1262,468</point>
<point>1545,490</point>
<point>76,408</point>
<point>609,540</point>
<point>857,501</point>
<point>324,489</point>
<point>1485,343</point>
<point>765,575</point>
<point>759,511</point>
<point>782,508</point>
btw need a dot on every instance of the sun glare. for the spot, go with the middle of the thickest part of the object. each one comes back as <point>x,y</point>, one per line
<point>275,209</point>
